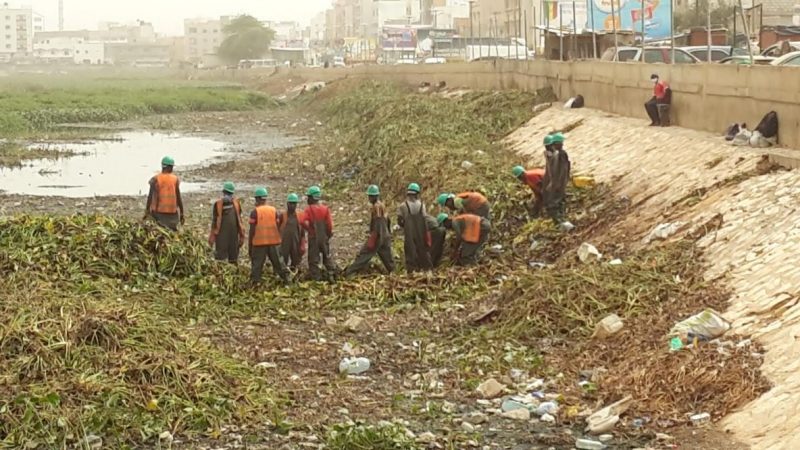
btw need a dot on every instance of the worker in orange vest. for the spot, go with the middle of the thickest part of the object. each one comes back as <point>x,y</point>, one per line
<point>533,178</point>
<point>227,230</point>
<point>293,235</point>
<point>164,203</point>
<point>471,233</point>
<point>265,239</point>
<point>468,202</point>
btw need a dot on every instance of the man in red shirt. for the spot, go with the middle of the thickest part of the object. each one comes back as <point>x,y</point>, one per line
<point>658,106</point>
<point>533,178</point>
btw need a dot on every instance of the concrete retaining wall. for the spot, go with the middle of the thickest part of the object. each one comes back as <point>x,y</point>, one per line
<point>705,96</point>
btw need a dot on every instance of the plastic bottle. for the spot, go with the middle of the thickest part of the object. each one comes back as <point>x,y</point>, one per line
<point>588,444</point>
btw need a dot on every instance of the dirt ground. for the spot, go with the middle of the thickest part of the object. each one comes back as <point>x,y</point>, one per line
<point>415,376</point>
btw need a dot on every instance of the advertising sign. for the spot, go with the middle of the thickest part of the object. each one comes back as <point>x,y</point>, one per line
<point>564,9</point>
<point>399,38</point>
<point>628,15</point>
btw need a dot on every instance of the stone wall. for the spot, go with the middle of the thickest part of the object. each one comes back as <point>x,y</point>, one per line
<point>705,96</point>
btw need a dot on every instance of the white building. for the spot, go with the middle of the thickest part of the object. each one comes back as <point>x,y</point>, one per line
<point>317,27</point>
<point>443,16</point>
<point>285,31</point>
<point>57,45</point>
<point>204,36</point>
<point>90,52</point>
<point>385,12</point>
<point>16,31</point>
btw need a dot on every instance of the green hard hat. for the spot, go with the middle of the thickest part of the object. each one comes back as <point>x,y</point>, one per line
<point>167,161</point>
<point>442,199</point>
<point>518,170</point>
<point>314,191</point>
<point>548,140</point>
<point>441,218</point>
<point>229,187</point>
<point>260,192</point>
<point>292,198</point>
<point>558,138</point>
<point>373,190</point>
<point>414,187</point>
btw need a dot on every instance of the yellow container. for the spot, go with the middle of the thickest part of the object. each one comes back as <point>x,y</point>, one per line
<point>583,181</point>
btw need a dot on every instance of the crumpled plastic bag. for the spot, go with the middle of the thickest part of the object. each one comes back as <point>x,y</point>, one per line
<point>588,252</point>
<point>742,138</point>
<point>663,231</point>
<point>707,325</point>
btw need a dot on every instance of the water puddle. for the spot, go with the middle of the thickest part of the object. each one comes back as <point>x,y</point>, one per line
<point>118,166</point>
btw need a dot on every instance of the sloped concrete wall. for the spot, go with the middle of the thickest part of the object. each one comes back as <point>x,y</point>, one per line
<point>706,97</point>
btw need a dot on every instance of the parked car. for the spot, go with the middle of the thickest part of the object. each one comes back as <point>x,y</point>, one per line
<point>789,59</point>
<point>745,60</point>
<point>338,61</point>
<point>405,61</point>
<point>434,60</point>
<point>651,55</point>
<point>718,52</point>
<point>774,50</point>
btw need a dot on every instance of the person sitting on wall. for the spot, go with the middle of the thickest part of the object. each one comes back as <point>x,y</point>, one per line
<point>658,107</point>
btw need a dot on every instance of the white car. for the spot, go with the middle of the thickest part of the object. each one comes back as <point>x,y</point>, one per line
<point>789,59</point>
<point>434,60</point>
<point>338,61</point>
<point>405,61</point>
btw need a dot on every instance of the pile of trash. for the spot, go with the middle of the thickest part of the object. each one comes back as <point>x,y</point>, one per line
<point>765,135</point>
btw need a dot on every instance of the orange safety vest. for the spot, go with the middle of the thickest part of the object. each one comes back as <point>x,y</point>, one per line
<point>267,232</point>
<point>472,228</point>
<point>238,207</point>
<point>474,199</point>
<point>166,201</point>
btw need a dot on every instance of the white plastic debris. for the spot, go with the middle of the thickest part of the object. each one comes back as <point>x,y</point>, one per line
<point>662,231</point>
<point>466,165</point>
<point>354,366</point>
<point>566,226</point>
<point>615,262</point>
<point>706,325</point>
<point>699,419</point>
<point>588,252</point>
<point>608,326</point>
<point>604,420</point>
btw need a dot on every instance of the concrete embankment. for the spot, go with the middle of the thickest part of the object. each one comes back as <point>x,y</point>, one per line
<point>682,175</point>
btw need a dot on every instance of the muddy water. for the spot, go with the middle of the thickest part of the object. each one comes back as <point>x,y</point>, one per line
<point>121,166</point>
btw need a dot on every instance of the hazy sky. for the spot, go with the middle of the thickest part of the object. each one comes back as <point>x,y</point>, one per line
<point>167,15</point>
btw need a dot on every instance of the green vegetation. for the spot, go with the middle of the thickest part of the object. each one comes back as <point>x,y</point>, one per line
<point>12,153</point>
<point>89,346</point>
<point>247,38</point>
<point>369,437</point>
<point>28,108</point>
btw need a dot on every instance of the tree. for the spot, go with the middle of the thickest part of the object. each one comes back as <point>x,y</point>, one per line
<point>721,15</point>
<point>247,38</point>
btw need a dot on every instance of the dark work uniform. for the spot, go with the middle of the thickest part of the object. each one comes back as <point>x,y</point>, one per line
<point>438,236</point>
<point>379,242</point>
<point>411,216</point>
<point>227,243</point>
<point>319,225</point>
<point>292,239</point>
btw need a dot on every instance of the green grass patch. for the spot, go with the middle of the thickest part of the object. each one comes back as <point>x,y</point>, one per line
<point>30,108</point>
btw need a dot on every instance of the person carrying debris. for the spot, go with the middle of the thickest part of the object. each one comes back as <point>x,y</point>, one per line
<point>164,203</point>
<point>470,233</point>
<point>438,237</point>
<point>533,178</point>
<point>380,238</point>
<point>469,202</point>
<point>318,223</point>
<point>265,239</point>
<point>293,235</point>
<point>658,107</point>
<point>416,239</point>
<point>227,230</point>
<point>556,177</point>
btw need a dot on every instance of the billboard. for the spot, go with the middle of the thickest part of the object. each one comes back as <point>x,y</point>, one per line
<point>399,38</point>
<point>560,13</point>
<point>628,15</point>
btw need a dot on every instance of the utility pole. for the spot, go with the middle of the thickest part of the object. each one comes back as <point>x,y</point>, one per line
<point>560,33</point>
<point>594,31</point>
<point>708,30</point>
<point>60,15</point>
<point>641,17</point>
<point>574,32</point>
<point>471,35</point>
<point>614,27</point>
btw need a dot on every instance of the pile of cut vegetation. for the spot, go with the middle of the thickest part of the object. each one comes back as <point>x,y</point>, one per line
<point>79,246</point>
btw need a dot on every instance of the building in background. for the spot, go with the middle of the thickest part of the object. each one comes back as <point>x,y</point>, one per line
<point>58,46</point>
<point>137,54</point>
<point>138,32</point>
<point>316,29</point>
<point>89,52</point>
<point>445,13</point>
<point>285,31</point>
<point>203,37</point>
<point>16,31</point>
